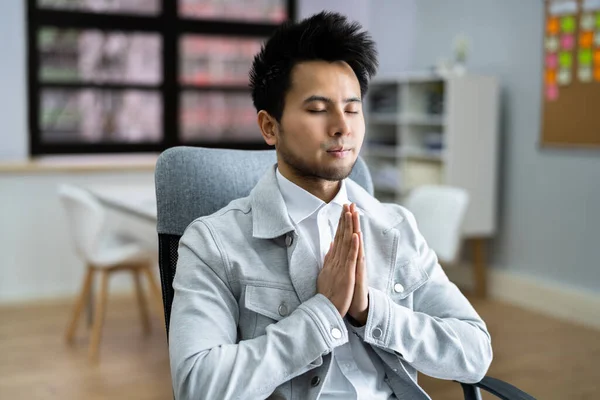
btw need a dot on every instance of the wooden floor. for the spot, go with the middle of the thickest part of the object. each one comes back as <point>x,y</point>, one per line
<point>548,358</point>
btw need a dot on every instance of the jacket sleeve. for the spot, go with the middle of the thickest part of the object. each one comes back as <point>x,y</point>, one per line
<point>443,336</point>
<point>207,360</point>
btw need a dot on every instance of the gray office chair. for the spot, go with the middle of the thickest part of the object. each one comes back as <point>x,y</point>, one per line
<point>192,182</point>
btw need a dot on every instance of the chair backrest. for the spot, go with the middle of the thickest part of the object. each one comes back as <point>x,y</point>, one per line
<point>193,181</point>
<point>86,218</point>
<point>439,211</point>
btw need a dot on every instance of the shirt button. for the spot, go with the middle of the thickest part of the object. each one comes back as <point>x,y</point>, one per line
<point>289,240</point>
<point>314,382</point>
<point>283,310</point>
<point>395,370</point>
<point>398,288</point>
<point>336,333</point>
<point>377,333</point>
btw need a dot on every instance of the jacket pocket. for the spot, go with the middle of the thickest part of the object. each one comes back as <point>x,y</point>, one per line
<point>272,302</point>
<point>408,277</point>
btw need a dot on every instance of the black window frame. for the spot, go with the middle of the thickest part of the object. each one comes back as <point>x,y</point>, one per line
<point>171,27</point>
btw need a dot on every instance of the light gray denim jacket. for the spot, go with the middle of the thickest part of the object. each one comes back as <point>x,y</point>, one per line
<point>247,323</point>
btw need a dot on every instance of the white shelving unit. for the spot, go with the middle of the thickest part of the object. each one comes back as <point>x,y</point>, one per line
<point>424,129</point>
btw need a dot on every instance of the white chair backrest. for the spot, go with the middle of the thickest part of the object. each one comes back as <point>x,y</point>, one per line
<point>86,218</point>
<point>439,211</point>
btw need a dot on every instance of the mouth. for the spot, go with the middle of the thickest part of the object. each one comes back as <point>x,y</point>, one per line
<point>339,152</point>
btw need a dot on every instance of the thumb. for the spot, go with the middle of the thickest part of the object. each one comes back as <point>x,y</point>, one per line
<point>360,261</point>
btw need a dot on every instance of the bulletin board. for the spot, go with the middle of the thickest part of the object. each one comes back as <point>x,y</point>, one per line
<point>571,88</point>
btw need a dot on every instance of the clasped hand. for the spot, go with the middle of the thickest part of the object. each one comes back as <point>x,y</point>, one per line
<point>343,279</point>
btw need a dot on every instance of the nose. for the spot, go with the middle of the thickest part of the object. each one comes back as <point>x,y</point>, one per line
<point>339,125</point>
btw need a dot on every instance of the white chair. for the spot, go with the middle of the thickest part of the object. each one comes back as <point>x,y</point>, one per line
<point>439,211</point>
<point>104,253</point>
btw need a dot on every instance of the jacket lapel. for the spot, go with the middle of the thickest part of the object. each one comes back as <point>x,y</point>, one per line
<point>303,267</point>
<point>270,220</point>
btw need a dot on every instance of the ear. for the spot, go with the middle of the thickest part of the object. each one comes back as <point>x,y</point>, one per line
<point>269,127</point>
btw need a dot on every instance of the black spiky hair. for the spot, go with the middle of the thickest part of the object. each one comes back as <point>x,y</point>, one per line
<point>326,36</point>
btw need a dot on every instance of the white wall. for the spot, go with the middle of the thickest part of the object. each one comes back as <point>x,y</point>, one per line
<point>13,74</point>
<point>391,24</point>
<point>356,10</point>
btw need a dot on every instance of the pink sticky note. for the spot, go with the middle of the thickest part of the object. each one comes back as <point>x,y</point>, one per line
<point>552,92</point>
<point>551,60</point>
<point>567,41</point>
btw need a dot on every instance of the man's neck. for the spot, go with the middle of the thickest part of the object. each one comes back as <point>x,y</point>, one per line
<point>320,188</point>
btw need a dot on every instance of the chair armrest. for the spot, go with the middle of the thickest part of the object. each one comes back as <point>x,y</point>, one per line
<point>498,388</point>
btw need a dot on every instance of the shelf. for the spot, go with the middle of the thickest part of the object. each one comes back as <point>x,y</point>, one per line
<point>406,119</point>
<point>409,153</point>
<point>423,154</point>
<point>378,150</point>
<point>421,131</point>
<point>408,77</point>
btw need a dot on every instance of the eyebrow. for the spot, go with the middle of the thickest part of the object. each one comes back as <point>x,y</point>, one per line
<point>328,100</point>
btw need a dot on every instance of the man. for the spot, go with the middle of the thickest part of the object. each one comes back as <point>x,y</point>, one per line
<point>309,287</point>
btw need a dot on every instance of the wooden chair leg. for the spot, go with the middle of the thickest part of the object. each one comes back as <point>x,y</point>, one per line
<point>141,301</point>
<point>156,290</point>
<point>479,265</point>
<point>81,301</point>
<point>99,316</point>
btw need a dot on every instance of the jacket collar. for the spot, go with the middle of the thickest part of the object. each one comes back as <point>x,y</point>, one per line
<point>270,218</point>
<point>302,204</point>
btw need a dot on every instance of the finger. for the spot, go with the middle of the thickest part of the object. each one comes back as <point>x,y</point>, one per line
<point>353,253</point>
<point>340,223</point>
<point>338,236</point>
<point>346,236</point>
<point>356,221</point>
<point>361,272</point>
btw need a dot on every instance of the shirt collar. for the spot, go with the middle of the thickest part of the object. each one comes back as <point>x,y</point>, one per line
<point>302,204</point>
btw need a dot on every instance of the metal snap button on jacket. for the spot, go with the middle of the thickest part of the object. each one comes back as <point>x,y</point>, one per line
<point>336,333</point>
<point>283,310</point>
<point>315,381</point>
<point>398,288</point>
<point>377,333</point>
<point>289,240</point>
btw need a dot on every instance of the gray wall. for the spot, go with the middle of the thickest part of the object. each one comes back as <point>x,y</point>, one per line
<point>356,10</point>
<point>391,23</point>
<point>550,199</point>
<point>13,74</point>
<point>393,26</point>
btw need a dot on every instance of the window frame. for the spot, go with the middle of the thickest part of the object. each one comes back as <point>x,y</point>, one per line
<point>170,27</point>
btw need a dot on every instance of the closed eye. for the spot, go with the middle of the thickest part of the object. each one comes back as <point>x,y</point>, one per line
<point>316,111</point>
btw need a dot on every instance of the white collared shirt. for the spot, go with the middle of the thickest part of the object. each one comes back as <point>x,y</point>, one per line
<point>356,371</point>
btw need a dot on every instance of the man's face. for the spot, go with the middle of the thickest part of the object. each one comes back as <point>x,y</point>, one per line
<point>322,127</point>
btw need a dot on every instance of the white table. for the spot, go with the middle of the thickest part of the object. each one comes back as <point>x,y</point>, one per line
<point>138,201</point>
<point>132,209</point>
